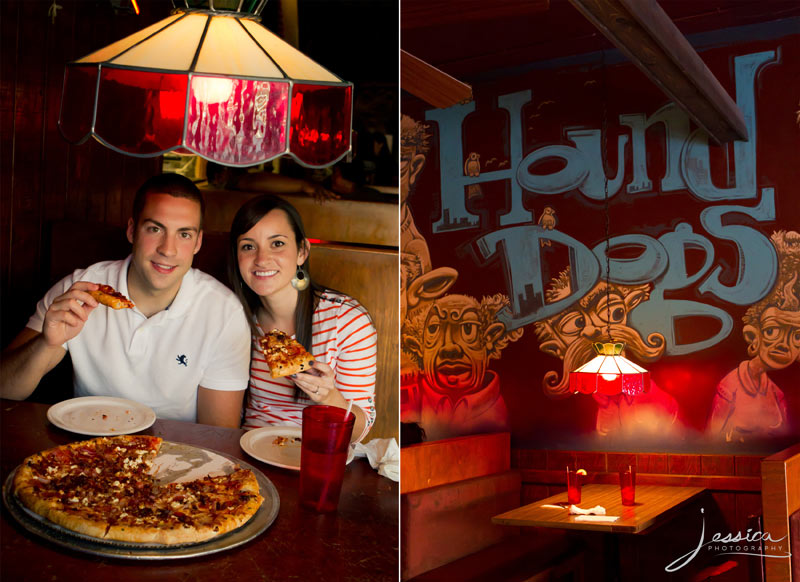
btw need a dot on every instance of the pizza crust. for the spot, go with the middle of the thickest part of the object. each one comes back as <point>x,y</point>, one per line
<point>106,508</point>
<point>286,368</point>
<point>108,296</point>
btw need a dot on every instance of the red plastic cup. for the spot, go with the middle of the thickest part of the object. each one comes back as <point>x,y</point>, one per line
<point>573,487</point>
<point>627,485</point>
<point>323,456</point>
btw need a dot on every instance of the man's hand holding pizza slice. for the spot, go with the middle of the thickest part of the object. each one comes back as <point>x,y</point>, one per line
<point>68,313</point>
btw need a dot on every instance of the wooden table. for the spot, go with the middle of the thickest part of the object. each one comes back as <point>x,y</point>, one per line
<point>654,504</point>
<point>358,542</point>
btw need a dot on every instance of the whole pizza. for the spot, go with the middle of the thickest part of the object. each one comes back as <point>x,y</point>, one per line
<point>104,488</point>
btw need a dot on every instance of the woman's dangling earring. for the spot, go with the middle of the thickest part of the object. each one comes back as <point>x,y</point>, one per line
<point>301,279</point>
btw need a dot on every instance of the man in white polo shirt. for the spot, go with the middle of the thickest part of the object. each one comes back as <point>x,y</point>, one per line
<point>184,350</point>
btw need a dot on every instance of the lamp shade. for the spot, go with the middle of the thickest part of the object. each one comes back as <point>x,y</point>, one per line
<point>212,83</point>
<point>609,373</point>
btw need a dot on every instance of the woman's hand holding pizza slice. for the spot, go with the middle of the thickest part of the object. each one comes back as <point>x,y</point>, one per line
<point>318,383</point>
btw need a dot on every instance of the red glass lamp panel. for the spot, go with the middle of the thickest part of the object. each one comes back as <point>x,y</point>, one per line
<point>633,384</point>
<point>77,102</point>
<point>140,112</point>
<point>237,121</point>
<point>320,124</point>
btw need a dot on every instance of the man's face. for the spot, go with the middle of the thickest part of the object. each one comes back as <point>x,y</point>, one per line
<point>780,340</point>
<point>165,240</point>
<point>454,357</point>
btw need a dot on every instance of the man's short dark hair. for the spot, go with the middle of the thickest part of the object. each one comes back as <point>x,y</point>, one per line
<point>172,184</point>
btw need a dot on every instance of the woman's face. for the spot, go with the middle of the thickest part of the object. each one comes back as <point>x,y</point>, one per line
<point>268,254</point>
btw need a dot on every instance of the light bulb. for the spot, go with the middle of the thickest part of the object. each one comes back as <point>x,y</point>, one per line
<point>212,90</point>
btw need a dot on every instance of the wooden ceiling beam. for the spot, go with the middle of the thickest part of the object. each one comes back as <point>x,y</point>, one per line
<point>643,31</point>
<point>431,84</point>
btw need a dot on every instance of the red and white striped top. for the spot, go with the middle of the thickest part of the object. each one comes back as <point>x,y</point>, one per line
<point>343,337</point>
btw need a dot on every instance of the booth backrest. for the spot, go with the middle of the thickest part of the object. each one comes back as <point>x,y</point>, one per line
<point>450,490</point>
<point>780,500</point>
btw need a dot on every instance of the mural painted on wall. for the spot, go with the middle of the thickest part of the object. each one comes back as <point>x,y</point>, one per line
<point>581,206</point>
<point>447,340</point>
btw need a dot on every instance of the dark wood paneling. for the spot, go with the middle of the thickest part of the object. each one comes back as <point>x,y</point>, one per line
<point>685,464</point>
<point>528,459</point>
<point>55,161</point>
<point>595,461</point>
<point>617,461</point>
<point>558,460</point>
<point>747,465</point>
<point>9,16</point>
<point>717,465</point>
<point>651,463</point>
<point>42,177</point>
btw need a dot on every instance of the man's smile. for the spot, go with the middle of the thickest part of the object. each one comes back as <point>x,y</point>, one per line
<point>161,268</point>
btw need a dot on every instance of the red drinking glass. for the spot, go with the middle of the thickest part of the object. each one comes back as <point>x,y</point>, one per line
<point>323,455</point>
<point>627,485</point>
<point>573,486</point>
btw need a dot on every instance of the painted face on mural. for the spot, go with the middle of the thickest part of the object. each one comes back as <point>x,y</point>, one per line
<point>772,327</point>
<point>599,316</point>
<point>777,342</point>
<point>454,355</point>
<point>454,341</point>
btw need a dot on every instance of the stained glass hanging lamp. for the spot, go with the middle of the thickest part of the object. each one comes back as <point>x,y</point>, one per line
<point>608,373</point>
<point>210,82</point>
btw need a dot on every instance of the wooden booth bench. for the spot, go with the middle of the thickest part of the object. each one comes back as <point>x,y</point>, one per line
<point>450,489</point>
<point>780,501</point>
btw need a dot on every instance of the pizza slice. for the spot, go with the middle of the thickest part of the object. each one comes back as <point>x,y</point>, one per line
<point>285,355</point>
<point>107,295</point>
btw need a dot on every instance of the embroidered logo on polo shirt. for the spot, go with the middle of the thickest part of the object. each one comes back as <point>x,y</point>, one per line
<point>182,360</point>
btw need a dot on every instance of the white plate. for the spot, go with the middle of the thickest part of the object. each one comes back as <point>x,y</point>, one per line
<point>259,443</point>
<point>101,416</point>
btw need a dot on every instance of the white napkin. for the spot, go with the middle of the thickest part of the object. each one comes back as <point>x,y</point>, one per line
<point>382,454</point>
<point>601,518</point>
<point>596,510</point>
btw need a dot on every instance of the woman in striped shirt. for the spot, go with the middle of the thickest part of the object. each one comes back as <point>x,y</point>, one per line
<point>268,270</point>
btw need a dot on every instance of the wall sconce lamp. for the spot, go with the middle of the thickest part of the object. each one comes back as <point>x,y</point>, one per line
<point>213,83</point>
